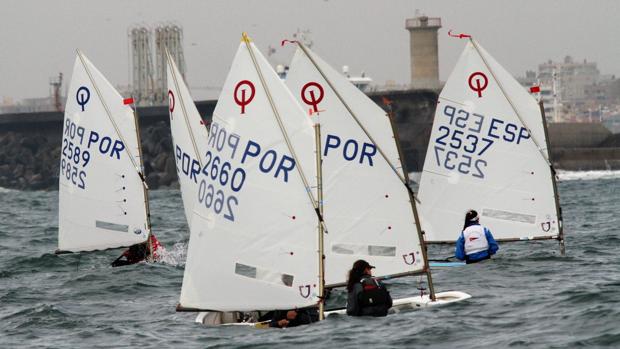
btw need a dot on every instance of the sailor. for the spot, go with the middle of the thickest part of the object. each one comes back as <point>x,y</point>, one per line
<point>140,252</point>
<point>476,243</point>
<point>367,296</point>
<point>292,318</point>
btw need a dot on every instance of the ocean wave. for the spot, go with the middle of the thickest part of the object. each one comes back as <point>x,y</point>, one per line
<point>587,175</point>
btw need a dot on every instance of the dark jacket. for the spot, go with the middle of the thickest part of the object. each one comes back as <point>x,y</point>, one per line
<point>134,254</point>
<point>357,303</point>
<point>304,317</point>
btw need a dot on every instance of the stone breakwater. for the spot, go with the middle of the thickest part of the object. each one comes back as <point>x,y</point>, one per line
<point>31,159</point>
<point>30,144</point>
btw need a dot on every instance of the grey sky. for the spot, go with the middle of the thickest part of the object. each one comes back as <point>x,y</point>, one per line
<point>38,38</point>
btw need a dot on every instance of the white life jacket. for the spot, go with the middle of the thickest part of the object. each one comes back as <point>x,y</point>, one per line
<point>475,239</point>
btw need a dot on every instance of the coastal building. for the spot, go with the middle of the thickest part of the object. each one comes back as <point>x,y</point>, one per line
<point>575,91</point>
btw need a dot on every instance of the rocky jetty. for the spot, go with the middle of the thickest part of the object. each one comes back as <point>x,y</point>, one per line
<point>30,143</point>
<point>30,159</point>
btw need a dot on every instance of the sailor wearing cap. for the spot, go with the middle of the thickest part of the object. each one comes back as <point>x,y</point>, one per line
<point>367,296</point>
<point>476,243</point>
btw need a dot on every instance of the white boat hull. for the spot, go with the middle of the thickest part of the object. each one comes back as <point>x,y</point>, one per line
<point>411,303</point>
<point>399,305</point>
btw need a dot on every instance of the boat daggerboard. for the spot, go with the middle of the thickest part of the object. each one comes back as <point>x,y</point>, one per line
<point>102,201</point>
<point>253,241</point>
<point>189,137</point>
<point>487,152</point>
<point>366,206</point>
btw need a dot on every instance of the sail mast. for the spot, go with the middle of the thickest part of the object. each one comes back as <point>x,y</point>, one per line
<point>316,204</point>
<point>145,187</point>
<point>287,140</point>
<point>421,236</point>
<point>556,196</point>
<point>319,184</point>
<point>404,178</point>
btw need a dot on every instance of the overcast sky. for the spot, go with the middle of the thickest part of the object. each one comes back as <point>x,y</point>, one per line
<point>38,38</point>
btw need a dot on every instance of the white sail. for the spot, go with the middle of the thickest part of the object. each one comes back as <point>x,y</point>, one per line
<point>487,152</point>
<point>366,205</point>
<point>101,196</point>
<point>253,242</point>
<point>189,137</point>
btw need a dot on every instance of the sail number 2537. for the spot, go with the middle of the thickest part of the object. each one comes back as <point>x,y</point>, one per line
<point>460,144</point>
<point>463,138</point>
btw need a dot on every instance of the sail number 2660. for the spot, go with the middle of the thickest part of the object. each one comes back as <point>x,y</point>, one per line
<point>216,200</point>
<point>220,174</point>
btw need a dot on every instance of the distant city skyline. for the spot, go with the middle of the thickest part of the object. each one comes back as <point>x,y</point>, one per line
<point>38,38</point>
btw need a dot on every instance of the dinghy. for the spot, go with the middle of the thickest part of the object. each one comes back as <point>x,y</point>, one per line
<point>103,196</point>
<point>368,204</point>
<point>488,151</point>
<point>255,222</point>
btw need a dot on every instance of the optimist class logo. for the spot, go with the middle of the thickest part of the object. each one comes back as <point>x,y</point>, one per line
<point>82,96</point>
<point>480,84</point>
<point>312,94</point>
<point>240,95</point>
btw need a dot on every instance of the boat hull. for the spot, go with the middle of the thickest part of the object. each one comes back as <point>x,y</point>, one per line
<point>399,305</point>
<point>411,303</point>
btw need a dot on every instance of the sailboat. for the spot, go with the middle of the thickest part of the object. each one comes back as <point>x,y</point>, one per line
<point>255,222</point>
<point>488,151</point>
<point>103,196</point>
<point>368,204</point>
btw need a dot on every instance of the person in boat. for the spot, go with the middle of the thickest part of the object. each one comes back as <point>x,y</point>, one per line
<point>295,317</point>
<point>139,252</point>
<point>476,243</point>
<point>367,296</point>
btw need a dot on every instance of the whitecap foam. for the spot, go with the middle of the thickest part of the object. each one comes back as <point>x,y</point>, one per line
<point>174,255</point>
<point>587,175</point>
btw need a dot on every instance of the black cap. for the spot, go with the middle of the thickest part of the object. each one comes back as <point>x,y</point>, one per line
<point>361,265</point>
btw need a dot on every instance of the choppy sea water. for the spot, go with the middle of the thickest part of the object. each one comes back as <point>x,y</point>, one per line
<point>527,297</point>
